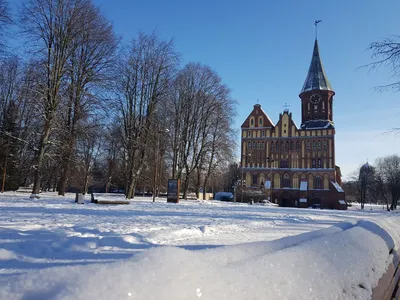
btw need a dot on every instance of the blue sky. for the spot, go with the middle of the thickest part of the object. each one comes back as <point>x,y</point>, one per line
<point>262,50</point>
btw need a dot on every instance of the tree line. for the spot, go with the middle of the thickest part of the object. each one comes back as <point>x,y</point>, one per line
<point>81,110</point>
<point>376,183</point>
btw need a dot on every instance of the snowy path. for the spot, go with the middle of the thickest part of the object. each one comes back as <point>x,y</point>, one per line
<point>53,231</point>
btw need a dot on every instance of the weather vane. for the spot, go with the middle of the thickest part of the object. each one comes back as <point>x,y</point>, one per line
<point>316,27</point>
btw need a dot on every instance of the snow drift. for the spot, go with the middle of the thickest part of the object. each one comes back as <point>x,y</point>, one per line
<point>341,262</point>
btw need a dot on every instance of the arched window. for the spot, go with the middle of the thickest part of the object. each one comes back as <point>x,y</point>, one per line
<point>262,145</point>
<point>255,179</point>
<point>319,163</point>
<point>318,182</point>
<point>308,146</point>
<point>250,133</point>
<point>287,146</point>
<point>292,146</point>
<point>249,145</point>
<point>313,145</point>
<point>313,163</point>
<point>251,121</point>
<point>272,146</point>
<point>277,146</point>
<point>319,145</point>
<point>258,145</point>
<point>325,145</point>
<point>286,181</point>
<point>254,145</point>
<point>263,133</point>
<point>297,146</point>
<point>260,121</point>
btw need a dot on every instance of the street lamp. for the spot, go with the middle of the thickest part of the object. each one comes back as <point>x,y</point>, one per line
<point>156,175</point>
<point>241,182</point>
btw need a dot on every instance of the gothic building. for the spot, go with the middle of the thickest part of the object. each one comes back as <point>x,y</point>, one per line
<point>295,166</point>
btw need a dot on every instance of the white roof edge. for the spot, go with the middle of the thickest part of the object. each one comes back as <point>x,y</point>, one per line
<point>269,119</point>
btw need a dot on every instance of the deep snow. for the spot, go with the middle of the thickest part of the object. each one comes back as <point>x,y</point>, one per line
<point>220,250</point>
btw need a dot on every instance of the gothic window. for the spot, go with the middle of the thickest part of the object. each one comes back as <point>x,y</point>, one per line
<point>286,181</point>
<point>252,122</point>
<point>313,163</point>
<point>260,121</point>
<point>319,163</point>
<point>319,145</point>
<point>263,133</point>
<point>254,145</point>
<point>318,182</point>
<point>308,146</point>
<point>313,145</point>
<point>255,177</point>
<point>249,145</point>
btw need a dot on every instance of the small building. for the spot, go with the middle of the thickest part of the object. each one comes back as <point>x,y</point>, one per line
<point>296,165</point>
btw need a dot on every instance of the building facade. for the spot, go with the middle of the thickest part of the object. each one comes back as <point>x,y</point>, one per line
<point>295,166</point>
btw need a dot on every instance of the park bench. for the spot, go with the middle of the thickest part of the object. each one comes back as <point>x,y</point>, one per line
<point>109,198</point>
<point>25,189</point>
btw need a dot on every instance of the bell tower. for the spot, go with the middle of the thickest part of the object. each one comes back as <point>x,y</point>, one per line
<point>317,93</point>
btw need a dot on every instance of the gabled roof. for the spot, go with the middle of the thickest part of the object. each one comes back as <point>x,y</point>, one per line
<point>291,122</point>
<point>268,122</point>
<point>316,77</point>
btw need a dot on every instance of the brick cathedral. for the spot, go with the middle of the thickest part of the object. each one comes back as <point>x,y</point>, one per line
<point>295,166</point>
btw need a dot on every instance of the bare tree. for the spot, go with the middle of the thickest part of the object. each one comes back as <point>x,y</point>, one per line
<point>52,26</point>
<point>388,169</point>
<point>196,112</point>
<point>88,68</point>
<point>146,73</point>
<point>386,53</point>
<point>5,21</point>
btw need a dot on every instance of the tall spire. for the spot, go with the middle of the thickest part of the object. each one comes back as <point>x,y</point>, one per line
<point>316,77</point>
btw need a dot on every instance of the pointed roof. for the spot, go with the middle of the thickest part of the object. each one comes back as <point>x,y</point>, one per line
<point>268,121</point>
<point>316,77</point>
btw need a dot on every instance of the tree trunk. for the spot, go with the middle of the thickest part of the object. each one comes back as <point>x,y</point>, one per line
<point>39,158</point>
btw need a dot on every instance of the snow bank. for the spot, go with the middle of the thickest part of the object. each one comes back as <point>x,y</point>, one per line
<point>341,262</point>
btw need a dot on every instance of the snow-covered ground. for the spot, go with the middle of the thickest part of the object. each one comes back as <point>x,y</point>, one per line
<point>219,250</point>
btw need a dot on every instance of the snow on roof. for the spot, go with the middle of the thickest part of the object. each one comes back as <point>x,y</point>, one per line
<point>303,200</point>
<point>342,202</point>
<point>303,186</point>
<point>337,186</point>
<point>267,184</point>
<point>269,119</point>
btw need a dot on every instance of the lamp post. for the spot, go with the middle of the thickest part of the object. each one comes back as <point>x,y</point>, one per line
<point>241,182</point>
<point>157,160</point>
